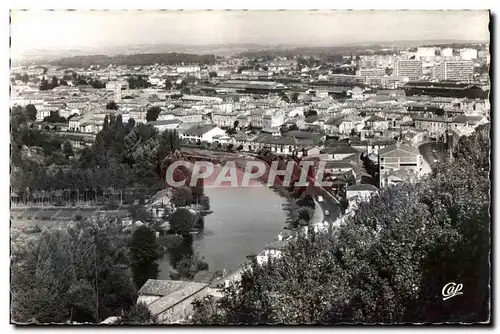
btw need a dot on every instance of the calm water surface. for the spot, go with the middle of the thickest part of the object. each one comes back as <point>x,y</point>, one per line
<point>243,222</point>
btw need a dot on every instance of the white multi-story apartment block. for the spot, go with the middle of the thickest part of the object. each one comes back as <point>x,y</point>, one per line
<point>411,69</point>
<point>454,70</point>
<point>447,52</point>
<point>425,53</point>
<point>368,73</point>
<point>468,54</point>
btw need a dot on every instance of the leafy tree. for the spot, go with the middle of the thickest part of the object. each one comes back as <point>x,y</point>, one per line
<point>182,196</point>
<point>54,118</point>
<point>68,149</point>
<point>283,96</point>
<point>189,265</point>
<point>111,105</point>
<point>30,112</point>
<point>144,253</point>
<point>44,84</point>
<point>70,274</point>
<point>152,114</point>
<point>54,82</point>
<point>139,314</point>
<point>181,221</point>
<point>212,74</point>
<point>311,112</point>
<point>295,97</point>
<point>138,213</point>
<point>168,84</point>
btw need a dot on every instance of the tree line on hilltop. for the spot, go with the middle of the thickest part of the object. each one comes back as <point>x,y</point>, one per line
<point>136,60</point>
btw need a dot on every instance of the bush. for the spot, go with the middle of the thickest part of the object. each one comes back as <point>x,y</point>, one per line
<point>112,205</point>
<point>78,217</point>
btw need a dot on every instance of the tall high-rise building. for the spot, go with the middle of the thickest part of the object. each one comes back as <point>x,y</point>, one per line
<point>447,52</point>
<point>459,70</point>
<point>468,54</point>
<point>411,69</point>
<point>425,53</point>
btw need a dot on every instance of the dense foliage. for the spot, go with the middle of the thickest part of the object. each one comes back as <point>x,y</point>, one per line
<point>74,273</point>
<point>144,254</point>
<point>123,155</point>
<point>388,263</point>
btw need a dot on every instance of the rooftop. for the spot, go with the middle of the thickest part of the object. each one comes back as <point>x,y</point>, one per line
<point>362,187</point>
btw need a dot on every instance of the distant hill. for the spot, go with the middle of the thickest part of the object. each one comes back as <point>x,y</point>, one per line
<point>355,48</point>
<point>135,59</point>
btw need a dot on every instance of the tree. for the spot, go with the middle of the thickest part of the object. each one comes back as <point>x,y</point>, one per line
<point>44,84</point>
<point>181,221</point>
<point>212,74</point>
<point>152,114</point>
<point>68,149</point>
<point>139,314</point>
<point>311,112</point>
<point>295,97</point>
<point>111,106</point>
<point>138,213</point>
<point>189,265</point>
<point>168,84</point>
<point>235,124</point>
<point>30,112</point>
<point>54,82</point>
<point>71,274</point>
<point>182,196</point>
<point>283,96</point>
<point>144,253</point>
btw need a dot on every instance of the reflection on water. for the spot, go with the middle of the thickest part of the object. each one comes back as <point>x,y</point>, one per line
<point>243,222</point>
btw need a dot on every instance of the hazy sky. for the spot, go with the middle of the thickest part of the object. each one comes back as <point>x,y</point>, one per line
<point>58,29</point>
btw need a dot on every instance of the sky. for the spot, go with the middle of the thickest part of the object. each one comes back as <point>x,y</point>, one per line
<point>81,29</point>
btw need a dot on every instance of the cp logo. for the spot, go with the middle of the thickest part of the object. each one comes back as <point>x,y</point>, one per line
<point>451,290</point>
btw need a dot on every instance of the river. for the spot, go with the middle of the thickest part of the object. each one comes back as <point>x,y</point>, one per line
<point>243,222</point>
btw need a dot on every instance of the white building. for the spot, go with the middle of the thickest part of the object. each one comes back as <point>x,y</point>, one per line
<point>425,53</point>
<point>203,133</point>
<point>42,113</point>
<point>447,52</point>
<point>360,192</point>
<point>468,54</point>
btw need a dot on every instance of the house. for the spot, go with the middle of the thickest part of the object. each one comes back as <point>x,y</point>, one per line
<point>338,167</point>
<point>275,132</point>
<point>87,127</point>
<point>203,133</point>
<point>371,146</point>
<point>340,152</point>
<point>360,192</point>
<point>435,126</point>
<point>272,250</point>
<point>171,301</point>
<point>278,145</point>
<point>467,121</point>
<point>168,124</point>
<point>74,123</point>
<point>398,157</point>
<point>377,123</point>
<point>42,113</point>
